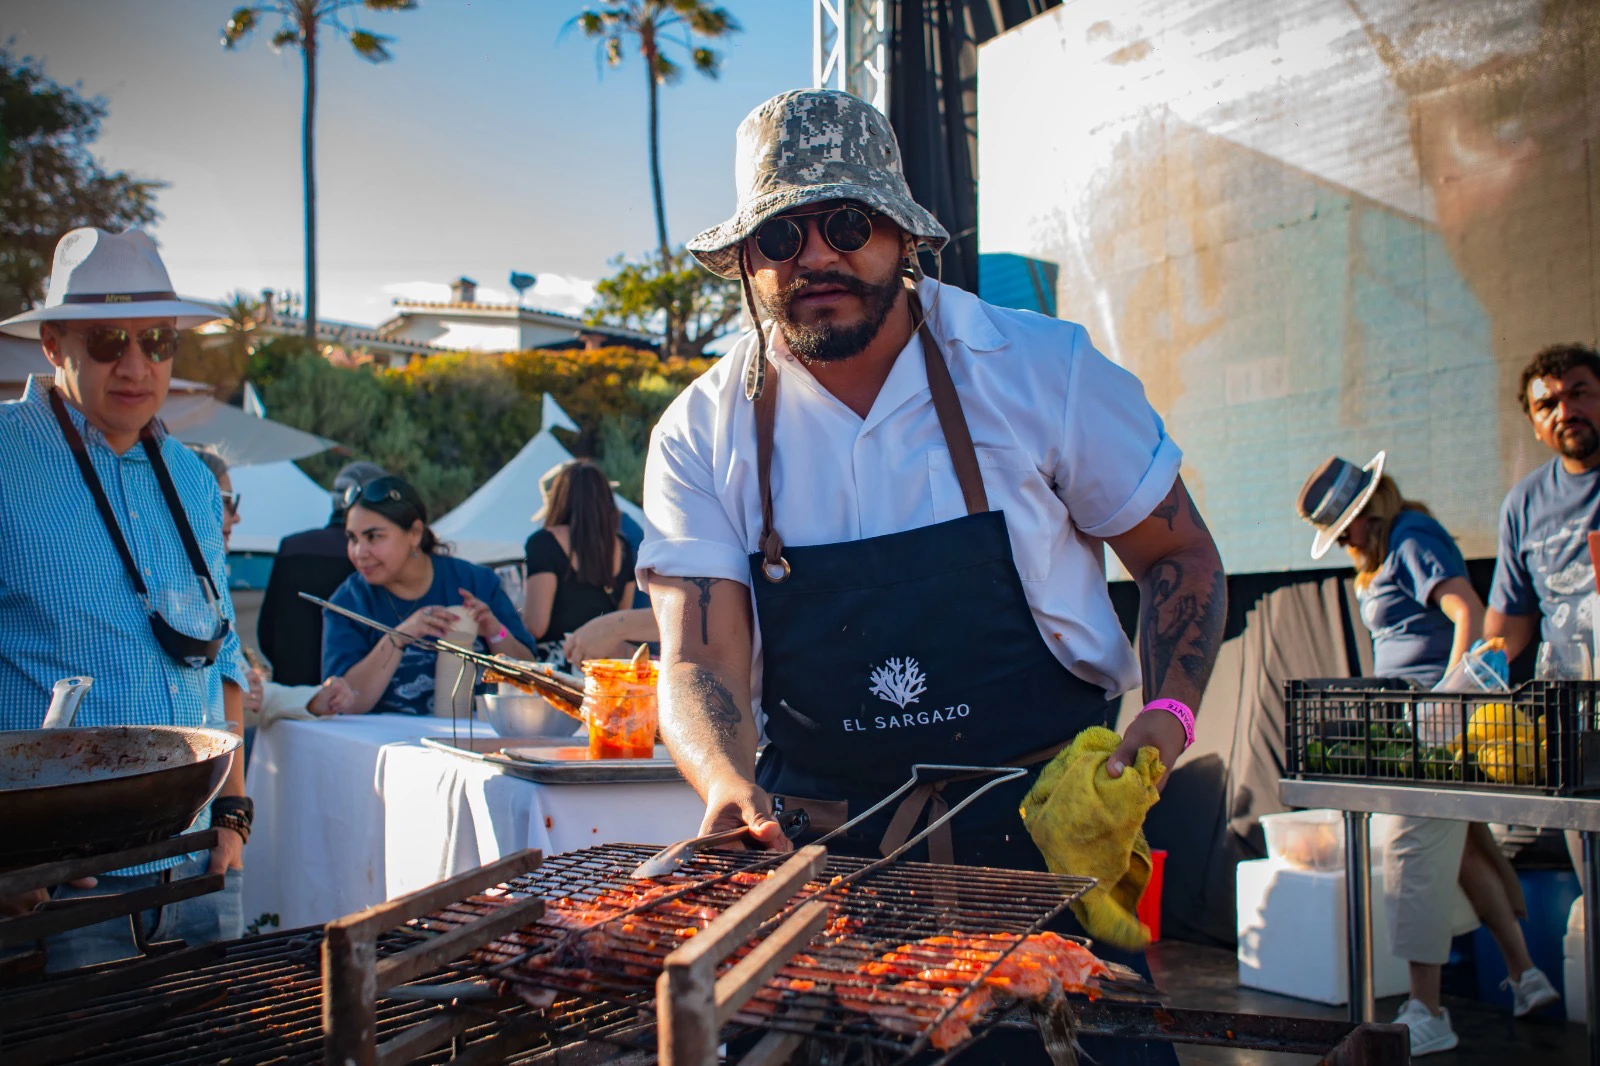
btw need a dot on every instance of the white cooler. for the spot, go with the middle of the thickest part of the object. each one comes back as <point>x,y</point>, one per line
<point>1291,924</point>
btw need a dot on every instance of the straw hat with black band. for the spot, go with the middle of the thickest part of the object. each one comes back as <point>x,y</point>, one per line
<point>1334,495</point>
<point>99,275</point>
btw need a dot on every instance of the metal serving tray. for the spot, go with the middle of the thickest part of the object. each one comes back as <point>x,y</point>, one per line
<point>547,761</point>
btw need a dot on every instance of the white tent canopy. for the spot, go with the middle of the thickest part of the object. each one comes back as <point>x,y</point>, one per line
<point>275,499</point>
<point>242,439</point>
<point>492,524</point>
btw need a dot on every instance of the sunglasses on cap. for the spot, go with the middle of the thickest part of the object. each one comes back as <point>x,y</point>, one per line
<point>107,344</point>
<point>847,228</point>
<point>387,489</point>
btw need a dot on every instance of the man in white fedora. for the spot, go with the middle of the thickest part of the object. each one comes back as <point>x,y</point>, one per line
<point>111,555</point>
<point>876,529</point>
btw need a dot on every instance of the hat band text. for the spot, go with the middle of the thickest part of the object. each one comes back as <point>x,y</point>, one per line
<point>118,297</point>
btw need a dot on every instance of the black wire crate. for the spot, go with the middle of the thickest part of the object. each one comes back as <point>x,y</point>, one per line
<point>1537,738</point>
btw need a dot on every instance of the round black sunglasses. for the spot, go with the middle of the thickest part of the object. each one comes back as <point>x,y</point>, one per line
<point>847,228</point>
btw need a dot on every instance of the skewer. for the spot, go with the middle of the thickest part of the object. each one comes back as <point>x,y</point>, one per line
<point>564,696</point>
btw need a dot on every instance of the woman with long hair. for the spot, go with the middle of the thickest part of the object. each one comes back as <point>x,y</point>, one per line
<point>1423,614</point>
<point>406,579</point>
<point>579,565</point>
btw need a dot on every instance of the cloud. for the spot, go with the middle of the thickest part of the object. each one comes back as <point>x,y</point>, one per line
<point>553,292</point>
<point>431,291</point>
<point>560,292</point>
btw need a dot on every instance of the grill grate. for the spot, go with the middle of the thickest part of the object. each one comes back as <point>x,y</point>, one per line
<point>270,1012</point>
<point>873,909</point>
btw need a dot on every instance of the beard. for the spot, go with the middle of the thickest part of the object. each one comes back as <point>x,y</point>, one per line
<point>825,341</point>
<point>1576,439</point>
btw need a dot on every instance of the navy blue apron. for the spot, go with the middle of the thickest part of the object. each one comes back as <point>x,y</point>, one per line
<point>870,664</point>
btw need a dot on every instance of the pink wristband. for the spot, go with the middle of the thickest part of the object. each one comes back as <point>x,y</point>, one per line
<point>502,635</point>
<point>1178,711</point>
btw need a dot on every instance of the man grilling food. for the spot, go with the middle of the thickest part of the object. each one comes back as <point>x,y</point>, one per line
<point>876,525</point>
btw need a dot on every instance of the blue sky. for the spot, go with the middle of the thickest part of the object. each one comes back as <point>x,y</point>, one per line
<point>490,142</point>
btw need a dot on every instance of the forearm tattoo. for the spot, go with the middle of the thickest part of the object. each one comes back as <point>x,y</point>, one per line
<point>704,585</point>
<point>1183,608</point>
<point>722,713</point>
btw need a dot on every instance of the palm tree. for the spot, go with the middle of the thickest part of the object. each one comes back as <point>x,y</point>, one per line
<point>650,25</point>
<point>299,23</point>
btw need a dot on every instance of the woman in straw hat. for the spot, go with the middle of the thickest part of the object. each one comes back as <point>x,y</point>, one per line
<point>1423,615</point>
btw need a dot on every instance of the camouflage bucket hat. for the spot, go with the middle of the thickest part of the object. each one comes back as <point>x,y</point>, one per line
<point>804,147</point>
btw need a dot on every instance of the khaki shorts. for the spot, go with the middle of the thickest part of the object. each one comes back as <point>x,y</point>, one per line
<point>1421,884</point>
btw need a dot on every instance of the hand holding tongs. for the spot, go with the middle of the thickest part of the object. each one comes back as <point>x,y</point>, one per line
<point>564,692</point>
<point>673,856</point>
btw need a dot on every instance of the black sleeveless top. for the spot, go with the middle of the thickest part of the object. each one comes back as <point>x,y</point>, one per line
<point>576,601</point>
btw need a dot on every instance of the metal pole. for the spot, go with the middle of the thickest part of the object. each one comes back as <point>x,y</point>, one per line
<point>1591,938</point>
<point>1358,920</point>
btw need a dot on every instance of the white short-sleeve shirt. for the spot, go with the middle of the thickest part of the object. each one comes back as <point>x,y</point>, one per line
<point>1068,445</point>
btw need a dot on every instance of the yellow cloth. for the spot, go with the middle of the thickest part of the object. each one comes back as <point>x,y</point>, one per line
<point>1090,824</point>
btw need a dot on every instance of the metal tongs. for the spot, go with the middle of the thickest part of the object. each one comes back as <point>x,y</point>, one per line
<point>564,691</point>
<point>673,856</point>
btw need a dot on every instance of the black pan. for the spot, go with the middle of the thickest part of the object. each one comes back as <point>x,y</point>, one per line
<point>71,792</point>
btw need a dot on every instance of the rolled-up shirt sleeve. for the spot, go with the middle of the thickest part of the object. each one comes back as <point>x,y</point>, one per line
<point>1117,462</point>
<point>687,529</point>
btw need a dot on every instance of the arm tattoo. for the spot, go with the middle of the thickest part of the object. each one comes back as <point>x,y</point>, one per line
<point>1167,509</point>
<point>1181,620</point>
<point>722,714</point>
<point>704,585</point>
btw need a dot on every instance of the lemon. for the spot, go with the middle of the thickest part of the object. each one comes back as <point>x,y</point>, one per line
<point>1499,759</point>
<point>1497,723</point>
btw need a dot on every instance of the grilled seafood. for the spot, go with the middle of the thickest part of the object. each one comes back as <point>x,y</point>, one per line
<point>616,940</point>
<point>894,994</point>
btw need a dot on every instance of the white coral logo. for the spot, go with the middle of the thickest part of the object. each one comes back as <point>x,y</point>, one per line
<point>900,681</point>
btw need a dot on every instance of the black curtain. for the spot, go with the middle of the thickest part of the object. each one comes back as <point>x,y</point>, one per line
<point>933,106</point>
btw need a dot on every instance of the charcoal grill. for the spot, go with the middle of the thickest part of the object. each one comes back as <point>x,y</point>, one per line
<point>299,998</point>
<point>58,916</point>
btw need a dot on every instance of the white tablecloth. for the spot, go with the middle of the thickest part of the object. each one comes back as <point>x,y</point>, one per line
<point>352,811</point>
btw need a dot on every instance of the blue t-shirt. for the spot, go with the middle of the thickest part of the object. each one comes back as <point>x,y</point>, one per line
<point>410,691</point>
<point>1410,638</point>
<point>1543,565</point>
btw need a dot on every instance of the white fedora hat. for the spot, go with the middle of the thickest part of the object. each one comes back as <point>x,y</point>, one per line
<point>97,275</point>
<point>1334,495</point>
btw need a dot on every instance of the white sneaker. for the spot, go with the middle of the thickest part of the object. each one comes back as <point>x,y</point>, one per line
<point>1429,1032</point>
<point>1530,992</point>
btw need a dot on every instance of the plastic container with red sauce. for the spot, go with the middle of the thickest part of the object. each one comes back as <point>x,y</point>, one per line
<point>619,703</point>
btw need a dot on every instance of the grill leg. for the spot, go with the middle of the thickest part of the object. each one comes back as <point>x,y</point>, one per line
<point>1591,938</point>
<point>1373,1045</point>
<point>1358,920</point>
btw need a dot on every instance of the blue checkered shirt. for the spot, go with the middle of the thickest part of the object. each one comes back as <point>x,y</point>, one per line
<point>66,604</point>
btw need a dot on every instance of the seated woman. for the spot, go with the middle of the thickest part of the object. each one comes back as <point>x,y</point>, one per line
<point>1440,877</point>
<point>579,565</point>
<point>405,579</point>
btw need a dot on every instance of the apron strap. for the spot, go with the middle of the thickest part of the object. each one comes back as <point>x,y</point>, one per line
<point>952,422</point>
<point>930,796</point>
<point>952,419</point>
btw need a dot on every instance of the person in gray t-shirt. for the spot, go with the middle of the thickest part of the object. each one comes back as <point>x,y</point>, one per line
<point>1542,575</point>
